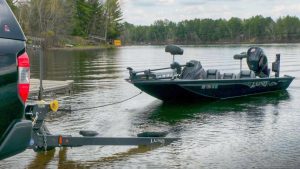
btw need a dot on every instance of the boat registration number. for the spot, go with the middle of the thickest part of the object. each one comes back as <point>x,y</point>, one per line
<point>210,86</point>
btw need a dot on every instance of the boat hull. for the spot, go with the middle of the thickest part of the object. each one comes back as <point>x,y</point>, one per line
<point>189,90</point>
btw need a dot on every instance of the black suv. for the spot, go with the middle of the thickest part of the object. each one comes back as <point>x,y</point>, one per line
<point>14,85</point>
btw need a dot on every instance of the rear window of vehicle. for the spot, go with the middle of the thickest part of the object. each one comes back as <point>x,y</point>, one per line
<point>9,27</point>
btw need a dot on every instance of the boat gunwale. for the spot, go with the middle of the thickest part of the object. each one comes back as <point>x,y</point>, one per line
<point>184,81</point>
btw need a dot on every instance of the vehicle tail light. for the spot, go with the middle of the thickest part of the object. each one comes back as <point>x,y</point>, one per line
<point>24,76</point>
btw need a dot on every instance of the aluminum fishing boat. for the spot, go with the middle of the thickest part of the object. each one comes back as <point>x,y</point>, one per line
<point>191,81</point>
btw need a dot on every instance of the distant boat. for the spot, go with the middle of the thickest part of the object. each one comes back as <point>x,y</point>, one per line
<point>194,83</point>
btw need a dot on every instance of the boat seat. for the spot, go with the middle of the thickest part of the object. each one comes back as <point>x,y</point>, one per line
<point>174,50</point>
<point>228,76</point>
<point>213,74</point>
<point>246,74</point>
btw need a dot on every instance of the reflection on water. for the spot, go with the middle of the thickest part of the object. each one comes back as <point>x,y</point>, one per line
<point>250,132</point>
<point>43,159</point>
<point>253,105</point>
<point>85,67</point>
<point>172,114</point>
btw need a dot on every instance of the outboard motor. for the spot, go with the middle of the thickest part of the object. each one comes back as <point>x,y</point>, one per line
<point>258,62</point>
<point>193,70</point>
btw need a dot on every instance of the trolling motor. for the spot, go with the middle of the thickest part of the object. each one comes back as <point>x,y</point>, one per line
<point>43,140</point>
<point>149,73</point>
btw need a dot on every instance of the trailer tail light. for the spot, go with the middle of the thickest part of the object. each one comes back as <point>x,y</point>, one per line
<point>24,76</point>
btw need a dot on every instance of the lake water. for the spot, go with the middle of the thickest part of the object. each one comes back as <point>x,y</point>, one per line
<point>251,132</point>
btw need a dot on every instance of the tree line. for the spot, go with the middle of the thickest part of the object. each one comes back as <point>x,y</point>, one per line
<point>257,29</point>
<point>69,21</point>
<point>63,22</point>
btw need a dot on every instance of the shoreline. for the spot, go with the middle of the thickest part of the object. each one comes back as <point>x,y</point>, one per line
<point>163,44</point>
<point>212,43</point>
<point>83,47</point>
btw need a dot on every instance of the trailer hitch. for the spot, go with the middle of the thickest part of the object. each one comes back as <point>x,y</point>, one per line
<point>43,140</point>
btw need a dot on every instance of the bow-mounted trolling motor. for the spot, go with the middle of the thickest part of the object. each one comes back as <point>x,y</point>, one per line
<point>176,68</point>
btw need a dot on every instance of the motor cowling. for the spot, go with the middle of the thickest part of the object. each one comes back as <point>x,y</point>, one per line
<point>193,70</point>
<point>258,62</point>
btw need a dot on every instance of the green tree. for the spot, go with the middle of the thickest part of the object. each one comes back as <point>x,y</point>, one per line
<point>235,27</point>
<point>97,22</point>
<point>12,5</point>
<point>113,15</point>
<point>288,28</point>
<point>258,27</point>
<point>83,17</point>
<point>181,32</point>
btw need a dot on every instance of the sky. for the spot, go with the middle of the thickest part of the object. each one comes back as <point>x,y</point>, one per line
<point>145,12</point>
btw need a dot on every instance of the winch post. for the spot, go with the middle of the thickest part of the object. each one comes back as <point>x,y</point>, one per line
<point>41,89</point>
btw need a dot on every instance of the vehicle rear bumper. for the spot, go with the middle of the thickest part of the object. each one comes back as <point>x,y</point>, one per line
<point>17,139</point>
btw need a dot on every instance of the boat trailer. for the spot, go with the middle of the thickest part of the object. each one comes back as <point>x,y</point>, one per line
<point>43,140</point>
